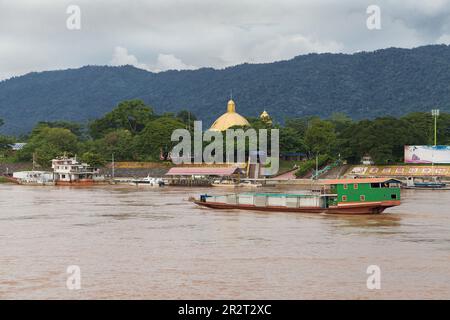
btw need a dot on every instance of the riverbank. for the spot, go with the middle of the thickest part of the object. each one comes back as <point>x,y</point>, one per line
<point>4,180</point>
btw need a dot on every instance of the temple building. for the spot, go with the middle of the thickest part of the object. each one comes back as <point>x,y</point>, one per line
<point>229,119</point>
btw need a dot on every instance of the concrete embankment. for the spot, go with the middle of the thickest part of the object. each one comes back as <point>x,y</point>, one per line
<point>9,168</point>
<point>137,169</point>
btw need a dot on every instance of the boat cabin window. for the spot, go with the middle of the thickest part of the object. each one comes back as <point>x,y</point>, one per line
<point>344,198</point>
<point>345,186</point>
<point>362,197</point>
<point>355,186</point>
<point>393,196</point>
<point>394,185</point>
<point>385,185</point>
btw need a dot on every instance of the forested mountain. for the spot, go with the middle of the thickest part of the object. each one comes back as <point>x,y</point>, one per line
<point>362,85</point>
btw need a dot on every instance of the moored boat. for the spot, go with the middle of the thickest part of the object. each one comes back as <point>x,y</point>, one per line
<point>224,183</point>
<point>235,184</point>
<point>435,183</point>
<point>341,196</point>
<point>148,181</point>
<point>70,172</point>
<point>33,178</point>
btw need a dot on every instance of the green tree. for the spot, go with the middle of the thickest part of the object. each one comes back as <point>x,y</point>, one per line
<point>186,117</point>
<point>300,125</point>
<point>383,139</point>
<point>156,136</point>
<point>257,123</point>
<point>291,141</point>
<point>5,142</point>
<point>74,127</point>
<point>320,137</point>
<point>131,115</point>
<point>119,142</point>
<point>47,143</point>
<point>424,126</point>
<point>340,121</point>
<point>93,159</point>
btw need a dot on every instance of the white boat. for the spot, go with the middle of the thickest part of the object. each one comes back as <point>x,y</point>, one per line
<point>235,184</point>
<point>148,181</point>
<point>249,184</point>
<point>224,183</point>
<point>434,184</point>
<point>34,178</point>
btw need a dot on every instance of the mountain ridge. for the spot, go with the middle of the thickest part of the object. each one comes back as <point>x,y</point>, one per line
<point>391,81</point>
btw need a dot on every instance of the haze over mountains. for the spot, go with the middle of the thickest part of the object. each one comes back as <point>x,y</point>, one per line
<point>362,85</point>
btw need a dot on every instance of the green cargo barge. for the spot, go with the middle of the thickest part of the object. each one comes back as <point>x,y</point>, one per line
<point>341,196</point>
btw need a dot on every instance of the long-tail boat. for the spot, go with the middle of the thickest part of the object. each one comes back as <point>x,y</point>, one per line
<point>340,196</point>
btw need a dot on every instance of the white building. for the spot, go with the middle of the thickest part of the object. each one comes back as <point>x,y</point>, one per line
<point>367,160</point>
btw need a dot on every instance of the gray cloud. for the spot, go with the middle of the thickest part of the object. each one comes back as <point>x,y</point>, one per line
<point>158,35</point>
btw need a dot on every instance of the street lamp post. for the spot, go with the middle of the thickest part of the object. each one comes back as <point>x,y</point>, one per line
<point>435,114</point>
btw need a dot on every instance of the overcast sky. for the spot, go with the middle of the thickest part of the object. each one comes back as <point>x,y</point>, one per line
<point>159,35</point>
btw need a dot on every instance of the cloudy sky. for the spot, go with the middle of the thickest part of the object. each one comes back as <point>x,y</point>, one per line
<point>159,35</point>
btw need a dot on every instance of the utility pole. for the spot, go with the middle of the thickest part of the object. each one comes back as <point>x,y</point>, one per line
<point>34,161</point>
<point>317,165</point>
<point>112,166</point>
<point>435,114</point>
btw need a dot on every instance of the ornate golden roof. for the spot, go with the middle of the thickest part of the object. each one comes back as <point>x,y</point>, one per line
<point>229,119</point>
<point>264,114</point>
<point>265,117</point>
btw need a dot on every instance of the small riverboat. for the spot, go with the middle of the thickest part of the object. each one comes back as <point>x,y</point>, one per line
<point>148,181</point>
<point>340,196</point>
<point>435,183</point>
<point>235,184</point>
<point>33,178</point>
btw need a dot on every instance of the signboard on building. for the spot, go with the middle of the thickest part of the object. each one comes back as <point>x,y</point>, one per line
<point>399,171</point>
<point>427,154</point>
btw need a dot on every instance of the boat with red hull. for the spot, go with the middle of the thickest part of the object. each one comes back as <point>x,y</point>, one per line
<point>369,208</point>
<point>342,196</point>
<point>75,183</point>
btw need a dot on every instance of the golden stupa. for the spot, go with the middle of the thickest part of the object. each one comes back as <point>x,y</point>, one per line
<point>265,117</point>
<point>229,119</point>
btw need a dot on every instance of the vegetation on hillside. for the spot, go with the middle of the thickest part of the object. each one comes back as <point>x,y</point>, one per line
<point>361,85</point>
<point>5,143</point>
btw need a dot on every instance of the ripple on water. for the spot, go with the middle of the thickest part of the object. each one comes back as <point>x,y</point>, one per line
<point>138,243</point>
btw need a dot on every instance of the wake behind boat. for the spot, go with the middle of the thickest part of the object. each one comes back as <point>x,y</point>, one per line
<point>342,196</point>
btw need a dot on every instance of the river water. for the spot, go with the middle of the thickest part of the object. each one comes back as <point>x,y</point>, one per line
<point>153,244</point>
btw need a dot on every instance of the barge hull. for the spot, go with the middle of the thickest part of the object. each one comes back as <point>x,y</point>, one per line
<point>366,208</point>
<point>81,182</point>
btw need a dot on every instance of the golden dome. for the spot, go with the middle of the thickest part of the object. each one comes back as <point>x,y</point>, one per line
<point>229,119</point>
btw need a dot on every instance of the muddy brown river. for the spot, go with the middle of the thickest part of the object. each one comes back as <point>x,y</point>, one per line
<point>153,244</point>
